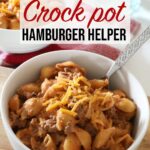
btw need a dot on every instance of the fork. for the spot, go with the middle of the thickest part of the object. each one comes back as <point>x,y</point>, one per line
<point>129,51</point>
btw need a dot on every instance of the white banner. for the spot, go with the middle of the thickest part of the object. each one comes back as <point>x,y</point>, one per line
<point>75,21</point>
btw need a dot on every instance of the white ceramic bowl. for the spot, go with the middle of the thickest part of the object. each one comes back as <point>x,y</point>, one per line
<point>10,42</point>
<point>96,66</point>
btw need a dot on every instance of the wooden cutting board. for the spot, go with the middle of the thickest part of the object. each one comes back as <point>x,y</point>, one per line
<point>4,143</point>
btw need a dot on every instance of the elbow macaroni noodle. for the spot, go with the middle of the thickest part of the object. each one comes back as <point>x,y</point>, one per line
<point>63,110</point>
<point>9,14</point>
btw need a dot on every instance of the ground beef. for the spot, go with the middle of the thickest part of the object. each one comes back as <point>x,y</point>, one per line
<point>50,124</point>
<point>82,110</point>
<point>90,128</point>
<point>16,122</point>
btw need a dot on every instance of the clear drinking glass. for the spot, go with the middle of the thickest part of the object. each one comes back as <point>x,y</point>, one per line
<point>135,5</point>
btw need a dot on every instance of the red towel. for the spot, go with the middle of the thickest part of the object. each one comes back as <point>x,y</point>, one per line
<point>14,60</point>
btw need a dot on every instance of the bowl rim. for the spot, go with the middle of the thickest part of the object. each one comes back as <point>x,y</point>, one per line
<point>9,130</point>
<point>9,30</point>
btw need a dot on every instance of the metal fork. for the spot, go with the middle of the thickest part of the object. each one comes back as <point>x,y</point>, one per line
<point>129,51</point>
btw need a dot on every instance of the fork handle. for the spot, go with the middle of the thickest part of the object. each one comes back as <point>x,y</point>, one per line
<point>129,51</point>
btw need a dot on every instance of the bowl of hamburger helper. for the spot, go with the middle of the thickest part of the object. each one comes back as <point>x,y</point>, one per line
<point>59,101</point>
<point>10,29</point>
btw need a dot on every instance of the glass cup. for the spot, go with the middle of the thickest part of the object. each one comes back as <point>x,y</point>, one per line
<point>135,5</point>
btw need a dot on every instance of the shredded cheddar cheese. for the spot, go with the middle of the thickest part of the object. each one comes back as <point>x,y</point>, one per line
<point>66,96</point>
<point>85,99</point>
<point>84,80</point>
<point>52,107</point>
<point>49,101</point>
<point>74,114</point>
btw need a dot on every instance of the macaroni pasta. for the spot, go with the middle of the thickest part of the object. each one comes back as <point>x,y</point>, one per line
<point>64,110</point>
<point>9,14</point>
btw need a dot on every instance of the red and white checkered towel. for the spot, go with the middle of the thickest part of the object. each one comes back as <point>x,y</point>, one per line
<point>14,60</point>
